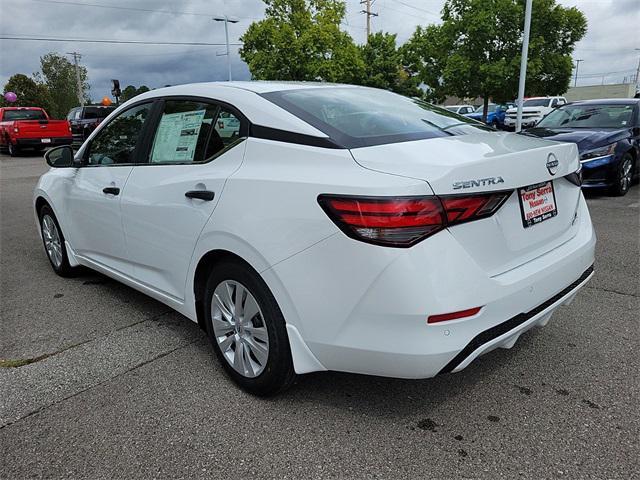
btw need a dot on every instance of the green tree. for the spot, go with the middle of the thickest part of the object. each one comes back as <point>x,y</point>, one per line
<point>59,75</point>
<point>302,40</point>
<point>476,50</point>
<point>30,93</point>
<point>130,91</point>
<point>384,66</point>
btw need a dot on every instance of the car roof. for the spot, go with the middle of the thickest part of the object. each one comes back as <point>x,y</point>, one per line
<point>254,106</point>
<point>607,101</point>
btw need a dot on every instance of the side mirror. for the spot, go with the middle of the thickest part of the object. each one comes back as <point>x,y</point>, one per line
<point>60,157</point>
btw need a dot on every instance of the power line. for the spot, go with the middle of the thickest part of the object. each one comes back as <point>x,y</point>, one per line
<point>387,7</point>
<point>134,9</point>
<point>87,40</point>
<point>417,8</point>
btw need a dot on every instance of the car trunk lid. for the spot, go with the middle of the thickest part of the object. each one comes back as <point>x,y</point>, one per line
<point>486,162</point>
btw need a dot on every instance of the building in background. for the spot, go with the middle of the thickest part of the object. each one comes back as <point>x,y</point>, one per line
<point>590,92</point>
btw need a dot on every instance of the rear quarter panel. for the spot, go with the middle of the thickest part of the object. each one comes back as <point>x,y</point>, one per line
<point>269,211</point>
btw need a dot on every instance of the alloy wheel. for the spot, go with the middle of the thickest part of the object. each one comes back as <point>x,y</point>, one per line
<point>52,242</point>
<point>239,328</point>
<point>625,174</point>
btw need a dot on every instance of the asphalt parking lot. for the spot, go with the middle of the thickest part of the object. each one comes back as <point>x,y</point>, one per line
<point>119,386</point>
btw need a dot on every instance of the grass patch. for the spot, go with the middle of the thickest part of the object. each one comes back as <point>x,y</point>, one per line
<point>20,362</point>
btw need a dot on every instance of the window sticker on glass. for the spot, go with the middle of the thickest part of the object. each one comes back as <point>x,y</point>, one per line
<point>177,137</point>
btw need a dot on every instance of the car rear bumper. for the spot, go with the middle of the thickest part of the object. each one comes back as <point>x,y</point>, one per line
<point>365,308</point>
<point>37,142</point>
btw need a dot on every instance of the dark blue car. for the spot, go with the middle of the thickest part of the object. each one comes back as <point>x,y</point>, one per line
<point>607,133</point>
<point>495,114</point>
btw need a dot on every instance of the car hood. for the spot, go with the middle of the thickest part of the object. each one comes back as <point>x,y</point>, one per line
<point>586,139</point>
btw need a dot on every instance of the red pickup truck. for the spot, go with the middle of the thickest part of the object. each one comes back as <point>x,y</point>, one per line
<point>30,127</point>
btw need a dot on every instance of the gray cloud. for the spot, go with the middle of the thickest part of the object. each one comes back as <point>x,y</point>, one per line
<point>608,47</point>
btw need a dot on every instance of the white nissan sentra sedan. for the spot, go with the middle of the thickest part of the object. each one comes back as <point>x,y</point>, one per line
<point>311,227</point>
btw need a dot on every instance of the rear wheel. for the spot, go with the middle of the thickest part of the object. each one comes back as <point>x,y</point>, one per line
<point>247,329</point>
<point>624,176</point>
<point>54,243</point>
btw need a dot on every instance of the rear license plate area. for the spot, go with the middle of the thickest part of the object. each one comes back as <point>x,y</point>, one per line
<point>537,203</point>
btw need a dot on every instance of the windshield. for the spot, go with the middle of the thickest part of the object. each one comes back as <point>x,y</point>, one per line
<point>490,109</point>
<point>536,102</point>
<point>24,115</point>
<point>589,116</point>
<point>97,112</point>
<point>357,117</point>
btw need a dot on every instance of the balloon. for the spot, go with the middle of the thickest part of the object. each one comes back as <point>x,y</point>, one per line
<point>106,101</point>
<point>10,97</point>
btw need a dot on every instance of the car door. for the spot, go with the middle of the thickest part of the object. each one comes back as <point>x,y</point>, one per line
<point>196,146</point>
<point>95,189</point>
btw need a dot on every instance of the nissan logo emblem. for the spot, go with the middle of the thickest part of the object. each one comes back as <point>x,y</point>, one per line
<point>552,164</point>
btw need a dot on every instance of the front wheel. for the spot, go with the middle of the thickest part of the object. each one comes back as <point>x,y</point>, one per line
<point>54,243</point>
<point>247,329</point>
<point>624,176</point>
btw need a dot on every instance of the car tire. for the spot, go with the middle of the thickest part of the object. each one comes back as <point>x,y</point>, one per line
<point>54,243</point>
<point>624,176</point>
<point>14,150</point>
<point>263,365</point>
<point>495,124</point>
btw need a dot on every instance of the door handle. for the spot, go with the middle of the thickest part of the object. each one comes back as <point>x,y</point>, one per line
<point>111,190</point>
<point>206,195</point>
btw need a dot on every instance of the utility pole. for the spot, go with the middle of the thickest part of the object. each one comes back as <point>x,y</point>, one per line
<point>575,82</point>
<point>227,21</point>
<point>638,69</point>
<point>369,14</point>
<point>523,63</point>
<point>76,57</point>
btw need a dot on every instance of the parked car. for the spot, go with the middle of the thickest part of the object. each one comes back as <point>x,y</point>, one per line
<point>534,109</point>
<point>31,127</point>
<point>84,120</point>
<point>495,114</point>
<point>460,109</point>
<point>342,228</point>
<point>607,133</point>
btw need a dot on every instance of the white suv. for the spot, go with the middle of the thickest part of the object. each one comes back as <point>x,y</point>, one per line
<point>328,227</point>
<point>534,109</point>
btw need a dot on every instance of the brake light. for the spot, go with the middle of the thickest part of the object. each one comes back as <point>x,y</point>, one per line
<point>405,221</point>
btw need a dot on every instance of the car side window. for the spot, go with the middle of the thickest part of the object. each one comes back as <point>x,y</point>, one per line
<point>116,143</point>
<point>193,132</point>
<point>554,103</point>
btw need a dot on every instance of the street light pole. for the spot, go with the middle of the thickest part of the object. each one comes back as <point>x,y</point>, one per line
<point>575,82</point>
<point>226,21</point>
<point>523,63</point>
<point>638,70</point>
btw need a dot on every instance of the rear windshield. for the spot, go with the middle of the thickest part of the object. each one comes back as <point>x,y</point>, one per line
<point>360,117</point>
<point>536,102</point>
<point>24,115</point>
<point>589,116</point>
<point>97,112</point>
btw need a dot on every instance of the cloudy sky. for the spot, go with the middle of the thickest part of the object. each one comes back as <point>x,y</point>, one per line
<point>608,51</point>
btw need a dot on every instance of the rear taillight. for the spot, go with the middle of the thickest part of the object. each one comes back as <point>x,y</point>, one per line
<point>405,221</point>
